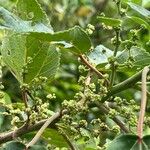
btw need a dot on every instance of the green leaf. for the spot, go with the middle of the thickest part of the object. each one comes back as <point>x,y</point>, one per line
<point>13,146</point>
<point>144,12</point>
<point>75,36</point>
<point>12,22</point>
<point>130,142</point>
<point>140,56</point>
<point>139,21</point>
<point>109,21</point>
<point>100,55</point>
<point>24,53</point>
<point>31,10</point>
<point>4,99</point>
<point>57,140</point>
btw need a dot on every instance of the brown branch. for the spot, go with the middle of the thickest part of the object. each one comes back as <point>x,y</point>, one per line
<point>83,59</point>
<point>40,132</point>
<point>24,97</point>
<point>8,136</point>
<point>143,103</point>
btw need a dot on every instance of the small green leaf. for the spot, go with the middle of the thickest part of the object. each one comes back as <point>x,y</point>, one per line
<point>140,56</point>
<point>144,12</point>
<point>109,21</point>
<point>100,55</point>
<point>4,98</point>
<point>29,58</point>
<point>13,146</point>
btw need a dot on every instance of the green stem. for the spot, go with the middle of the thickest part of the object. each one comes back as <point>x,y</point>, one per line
<point>115,53</point>
<point>123,85</point>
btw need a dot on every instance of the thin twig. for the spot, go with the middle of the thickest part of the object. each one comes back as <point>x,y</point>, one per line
<point>40,132</point>
<point>143,103</point>
<point>83,59</point>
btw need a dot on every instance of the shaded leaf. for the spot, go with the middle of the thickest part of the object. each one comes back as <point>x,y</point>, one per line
<point>57,140</point>
<point>109,21</point>
<point>38,147</point>
<point>144,12</point>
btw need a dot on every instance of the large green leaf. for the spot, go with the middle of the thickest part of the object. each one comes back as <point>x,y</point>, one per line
<point>144,12</point>
<point>130,142</point>
<point>25,52</point>
<point>140,56</point>
<point>75,36</point>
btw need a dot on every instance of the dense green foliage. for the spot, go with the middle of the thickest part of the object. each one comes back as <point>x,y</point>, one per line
<point>73,66</point>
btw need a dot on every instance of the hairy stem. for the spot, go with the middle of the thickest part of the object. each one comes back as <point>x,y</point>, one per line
<point>83,59</point>
<point>130,82</point>
<point>143,103</point>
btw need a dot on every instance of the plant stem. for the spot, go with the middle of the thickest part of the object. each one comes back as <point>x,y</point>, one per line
<point>143,103</point>
<point>24,97</point>
<point>40,132</point>
<point>115,53</point>
<point>83,59</point>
